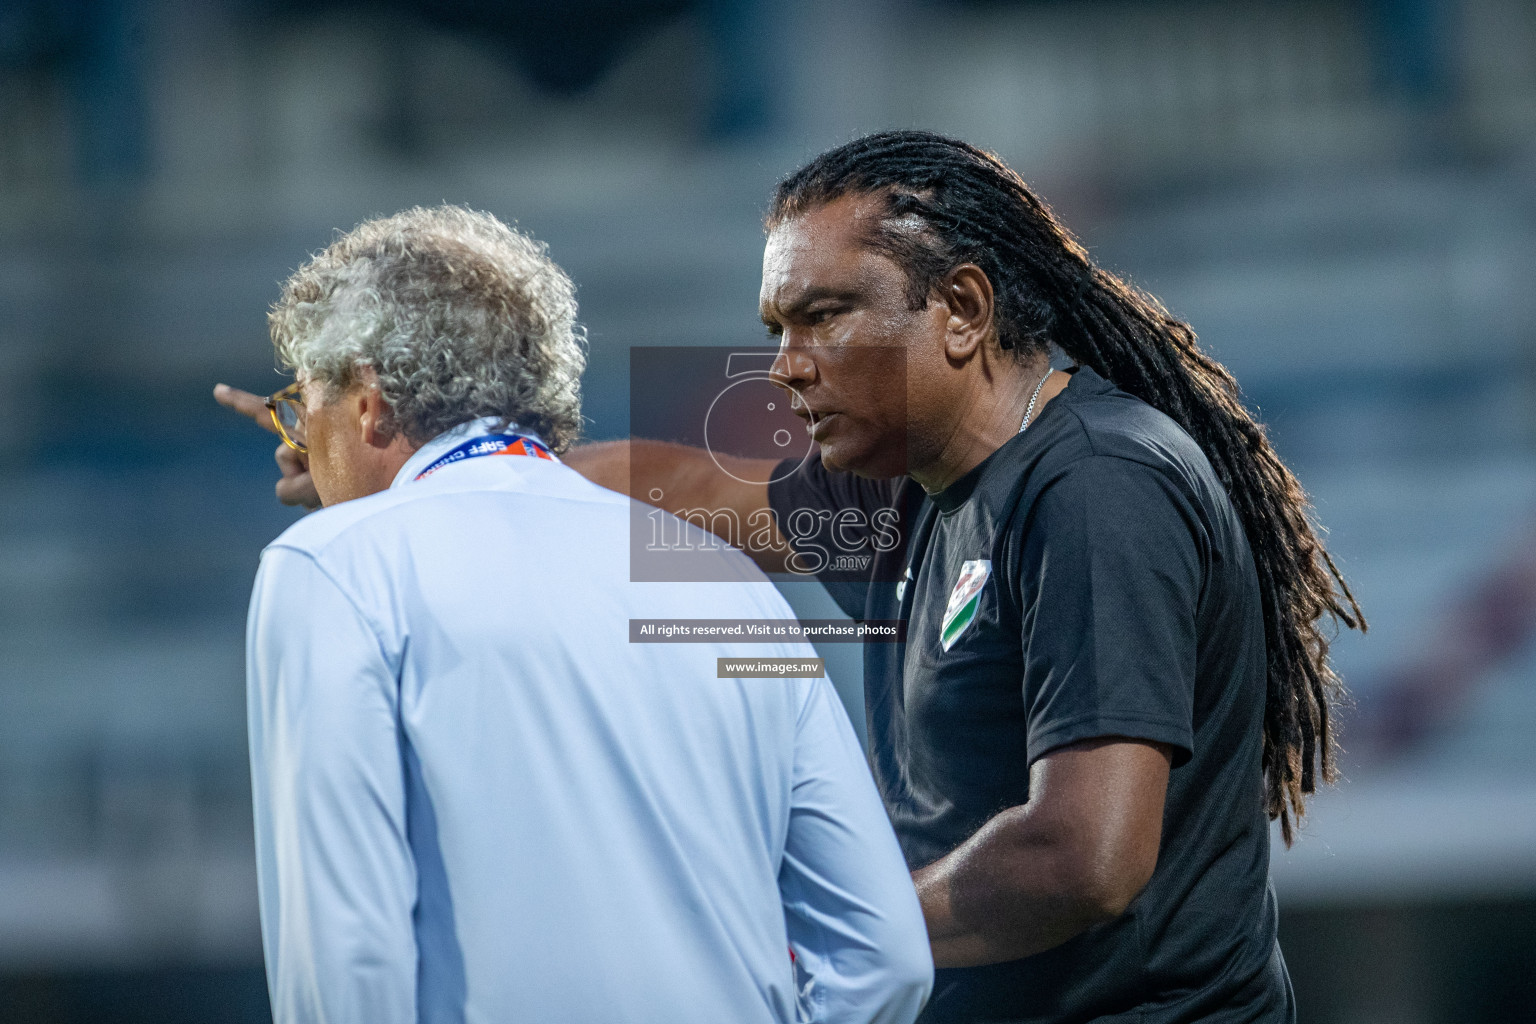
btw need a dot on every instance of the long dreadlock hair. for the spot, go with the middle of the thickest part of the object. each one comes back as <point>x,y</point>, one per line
<point>948,203</point>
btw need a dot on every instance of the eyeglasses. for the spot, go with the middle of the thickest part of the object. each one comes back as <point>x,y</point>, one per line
<point>287,410</point>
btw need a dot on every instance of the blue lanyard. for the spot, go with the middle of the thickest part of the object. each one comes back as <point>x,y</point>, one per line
<point>492,444</point>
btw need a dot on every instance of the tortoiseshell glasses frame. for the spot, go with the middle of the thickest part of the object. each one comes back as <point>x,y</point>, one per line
<point>287,410</point>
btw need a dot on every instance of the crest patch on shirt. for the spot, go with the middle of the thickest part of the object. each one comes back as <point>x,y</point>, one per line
<point>961,610</point>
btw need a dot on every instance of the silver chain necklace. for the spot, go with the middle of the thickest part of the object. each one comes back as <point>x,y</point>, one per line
<point>1030,412</point>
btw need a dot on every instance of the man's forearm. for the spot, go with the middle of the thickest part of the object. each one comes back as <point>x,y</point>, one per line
<point>1009,891</point>
<point>660,473</point>
<point>711,490</point>
<point>1077,853</point>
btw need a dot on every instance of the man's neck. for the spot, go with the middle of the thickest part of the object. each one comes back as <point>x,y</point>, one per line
<point>419,458</point>
<point>988,420</point>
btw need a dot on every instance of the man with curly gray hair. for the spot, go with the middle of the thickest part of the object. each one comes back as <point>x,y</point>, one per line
<point>475,798</point>
<point>430,318</point>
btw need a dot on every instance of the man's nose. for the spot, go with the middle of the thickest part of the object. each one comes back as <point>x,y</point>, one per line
<point>792,368</point>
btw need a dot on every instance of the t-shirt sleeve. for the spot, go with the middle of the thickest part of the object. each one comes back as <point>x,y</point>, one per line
<point>835,522</point>
<point>1110,576</point>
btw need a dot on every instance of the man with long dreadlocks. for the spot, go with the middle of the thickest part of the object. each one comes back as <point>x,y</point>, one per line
<point>1114,672</point>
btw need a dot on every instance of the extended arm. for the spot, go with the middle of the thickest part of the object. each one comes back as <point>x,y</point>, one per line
<point>686,480</point>
<point>852,917</point>
<point>335,873</point>
<point>1038,874</point>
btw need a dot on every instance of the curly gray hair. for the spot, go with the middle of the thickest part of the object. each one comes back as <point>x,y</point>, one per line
<point>460,316</point>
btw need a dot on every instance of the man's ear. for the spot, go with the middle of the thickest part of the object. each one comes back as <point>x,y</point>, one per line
<point>968,294</point>
<point>372,411</point>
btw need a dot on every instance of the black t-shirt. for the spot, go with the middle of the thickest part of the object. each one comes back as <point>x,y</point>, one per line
<point>1090,578</point>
